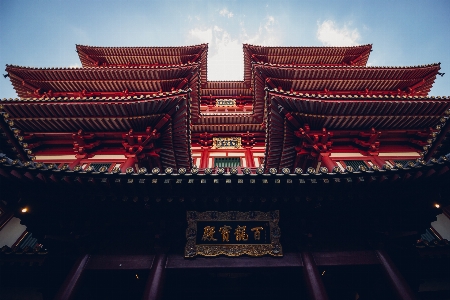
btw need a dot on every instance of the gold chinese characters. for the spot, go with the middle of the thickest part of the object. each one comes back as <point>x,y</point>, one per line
<point>225,230</point>
<point>239,233</point>
<point>233,233</point>
<point>257,232</point>
<point>208,233</point>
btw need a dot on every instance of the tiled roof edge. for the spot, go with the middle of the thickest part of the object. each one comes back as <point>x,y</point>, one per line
<point>285,172</point>
<point>103,68</point>
<point>309,47</point>
<point>142,97</point>
<point>339,66</point>
<point>143,47</point>
<point>315,96</point>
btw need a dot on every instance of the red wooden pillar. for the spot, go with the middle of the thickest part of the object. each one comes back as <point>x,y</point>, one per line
<point>327,162</point>
<point>130,162</point>
<point>399,284</point>
<point>77,161</point>
<point>378,160</point>
<point>67,290</point>
<point>314,283</point>
<point>249,157</point>
<point>204,158</point>
<point>155,283</point>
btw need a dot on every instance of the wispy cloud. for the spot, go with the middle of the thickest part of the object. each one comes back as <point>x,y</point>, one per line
<point>331,35</point>
<point>225,54</point>
<point>265,36</point>
<point>226,13</point>
<point>201,35</point>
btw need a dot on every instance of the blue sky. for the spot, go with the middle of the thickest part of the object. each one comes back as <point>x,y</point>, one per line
<point>41,33</point>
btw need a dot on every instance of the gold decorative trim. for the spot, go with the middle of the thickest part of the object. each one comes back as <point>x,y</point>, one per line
<point>225,102</point>
<point>227,143</point>
<point>193,249</point>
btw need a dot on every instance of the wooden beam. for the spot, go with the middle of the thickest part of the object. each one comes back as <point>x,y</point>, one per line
<point>67,290</point>
<point>314,284</point>
<point>155,283</point>
<point>396,279</point>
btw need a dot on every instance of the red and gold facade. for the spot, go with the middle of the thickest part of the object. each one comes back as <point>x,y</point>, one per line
<point>297,107</point>
<point>308,128</point>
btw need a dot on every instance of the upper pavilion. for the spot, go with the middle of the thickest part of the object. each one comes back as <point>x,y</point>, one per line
<point>295,108</point>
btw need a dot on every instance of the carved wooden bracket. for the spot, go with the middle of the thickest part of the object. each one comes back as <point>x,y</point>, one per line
<point>248,139</point>
<point>206,139</point>
<point>141,144</point>
<point>369,140</point>
<point>313,143</point>
<point>81,145</point>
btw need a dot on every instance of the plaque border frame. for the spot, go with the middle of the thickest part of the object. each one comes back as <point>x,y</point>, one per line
<point>272,217</point>
<point>217,140</point>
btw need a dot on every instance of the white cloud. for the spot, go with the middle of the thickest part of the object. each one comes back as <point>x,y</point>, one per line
<point>225,53</point>
<point>225,59</point>
<point>201,35</point>
<point>266,35</point>
<point>330,35</point>
<point>269,24</point>
<point>226,13</point>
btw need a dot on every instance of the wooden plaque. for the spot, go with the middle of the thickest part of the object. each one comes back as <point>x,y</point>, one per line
<point>227,143</point>
<point>233,233</point>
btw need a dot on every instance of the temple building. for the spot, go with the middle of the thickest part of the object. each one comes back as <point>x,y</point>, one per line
<point>315,177</point>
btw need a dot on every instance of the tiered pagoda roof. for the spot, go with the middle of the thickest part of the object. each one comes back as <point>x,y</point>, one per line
<point>101,82</point>
<point>144,56</point>
<point>319,88</point>
<point>52,123</point>
<point>305,56</point>
<point>297,122</point>
<point>350,80</point>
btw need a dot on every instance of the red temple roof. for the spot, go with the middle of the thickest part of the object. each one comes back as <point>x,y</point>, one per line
<point>28,81</point>
<point>108,120</point>
<point>91,56</point>
<point>226,89</point>
<point>285,89</point>
<point>354,112</point>
<point>356,55</point>
<point>90,114</point>
<point>222,122</point>
<point>407,121</point>
<point>349,80</point>
<point>227,123</point>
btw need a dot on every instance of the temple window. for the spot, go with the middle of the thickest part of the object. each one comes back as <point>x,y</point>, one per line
<point>355,164</point>
<point>390,163</point>
<point>400,161</point>
<point>339,164</point>
<point>227,162</point>
<point>97,166</point>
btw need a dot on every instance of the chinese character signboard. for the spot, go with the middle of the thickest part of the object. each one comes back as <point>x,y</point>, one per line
<point>226,102</point>
<point>233,233</point>
<point>227,143</point>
